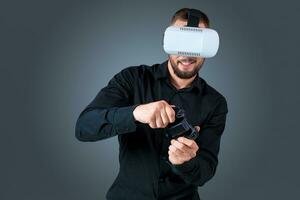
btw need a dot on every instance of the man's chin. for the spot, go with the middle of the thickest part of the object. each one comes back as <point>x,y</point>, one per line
<point>184,72</point>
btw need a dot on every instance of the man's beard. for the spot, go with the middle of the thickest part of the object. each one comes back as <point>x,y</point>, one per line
<point>183,74</point>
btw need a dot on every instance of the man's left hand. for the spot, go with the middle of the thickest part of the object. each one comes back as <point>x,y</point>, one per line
<point>182,150</point>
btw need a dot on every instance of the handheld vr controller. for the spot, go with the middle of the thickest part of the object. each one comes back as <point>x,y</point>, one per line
<point>181,127</point>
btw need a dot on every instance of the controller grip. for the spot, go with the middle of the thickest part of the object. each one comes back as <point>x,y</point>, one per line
<point>181,127</point>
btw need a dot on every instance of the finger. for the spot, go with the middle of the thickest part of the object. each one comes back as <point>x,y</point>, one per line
<point>197,128</point>
<point>188,151</point>
<point>170,153</point>
<point>164,117</point>
<point>188,142</point>
<point>159,121</point>
<point>171,113</point>
<point>152,124</point>
<point>173,158</point>
<point>152,121</point>
<point>174,150</point>
<point>181,146</point>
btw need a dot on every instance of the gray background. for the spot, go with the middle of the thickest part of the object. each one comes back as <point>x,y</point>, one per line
<point>56,56</point>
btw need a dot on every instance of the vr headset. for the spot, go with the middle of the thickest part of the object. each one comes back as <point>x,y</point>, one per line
<point>191,40</point>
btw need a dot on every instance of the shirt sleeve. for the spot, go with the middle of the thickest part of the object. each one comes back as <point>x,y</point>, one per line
<point>203,166</point>
<point>110,113</point>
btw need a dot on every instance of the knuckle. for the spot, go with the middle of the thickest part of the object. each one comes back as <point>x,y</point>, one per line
<point>152,125</point>
<point>152,118</point>
<point>160,104</point>
<point>172,116</point>
<point>159,124</point>
<point>163,102</point>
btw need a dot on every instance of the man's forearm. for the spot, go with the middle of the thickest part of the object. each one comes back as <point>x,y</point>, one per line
<point>198,170</point>
<point>97,124</point>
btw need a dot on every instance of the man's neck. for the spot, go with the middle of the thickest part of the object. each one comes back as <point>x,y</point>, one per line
<point>179,83</point>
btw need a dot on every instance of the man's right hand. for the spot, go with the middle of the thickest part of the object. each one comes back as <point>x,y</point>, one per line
<point>157,114</point>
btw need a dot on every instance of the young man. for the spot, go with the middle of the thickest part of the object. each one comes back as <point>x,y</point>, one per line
<point>137,106</point>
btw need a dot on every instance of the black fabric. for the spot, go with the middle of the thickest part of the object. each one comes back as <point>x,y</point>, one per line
<point>145,172</point>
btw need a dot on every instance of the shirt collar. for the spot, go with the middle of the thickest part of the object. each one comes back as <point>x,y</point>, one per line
<point>162,72</point>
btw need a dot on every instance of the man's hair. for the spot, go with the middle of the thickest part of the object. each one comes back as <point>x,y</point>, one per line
<point>182,14</point>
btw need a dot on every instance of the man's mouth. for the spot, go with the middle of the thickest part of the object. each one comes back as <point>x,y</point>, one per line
<point>187,63</point>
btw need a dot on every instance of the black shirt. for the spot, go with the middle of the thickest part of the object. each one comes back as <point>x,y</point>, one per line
<point>145,172</point>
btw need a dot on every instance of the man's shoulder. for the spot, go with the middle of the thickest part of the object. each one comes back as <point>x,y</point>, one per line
<point>210,90</point>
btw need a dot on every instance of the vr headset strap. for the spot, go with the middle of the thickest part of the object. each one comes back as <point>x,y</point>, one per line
<point>193,18</point>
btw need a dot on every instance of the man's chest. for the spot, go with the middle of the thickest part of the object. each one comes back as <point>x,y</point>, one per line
<point>188,99</point>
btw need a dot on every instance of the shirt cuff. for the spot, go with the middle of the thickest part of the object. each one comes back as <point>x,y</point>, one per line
<point>185,167</point>
<point>124,121</point>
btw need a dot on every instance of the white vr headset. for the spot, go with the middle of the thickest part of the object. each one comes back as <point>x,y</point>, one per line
<point>191,40</point>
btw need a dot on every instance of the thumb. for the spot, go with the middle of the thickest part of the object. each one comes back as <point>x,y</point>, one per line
<point>197,128</point>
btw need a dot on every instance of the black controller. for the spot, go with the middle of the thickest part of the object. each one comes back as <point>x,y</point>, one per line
<point>181,127</point>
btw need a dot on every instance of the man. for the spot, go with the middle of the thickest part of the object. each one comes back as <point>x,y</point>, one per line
<point>137,105</point>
